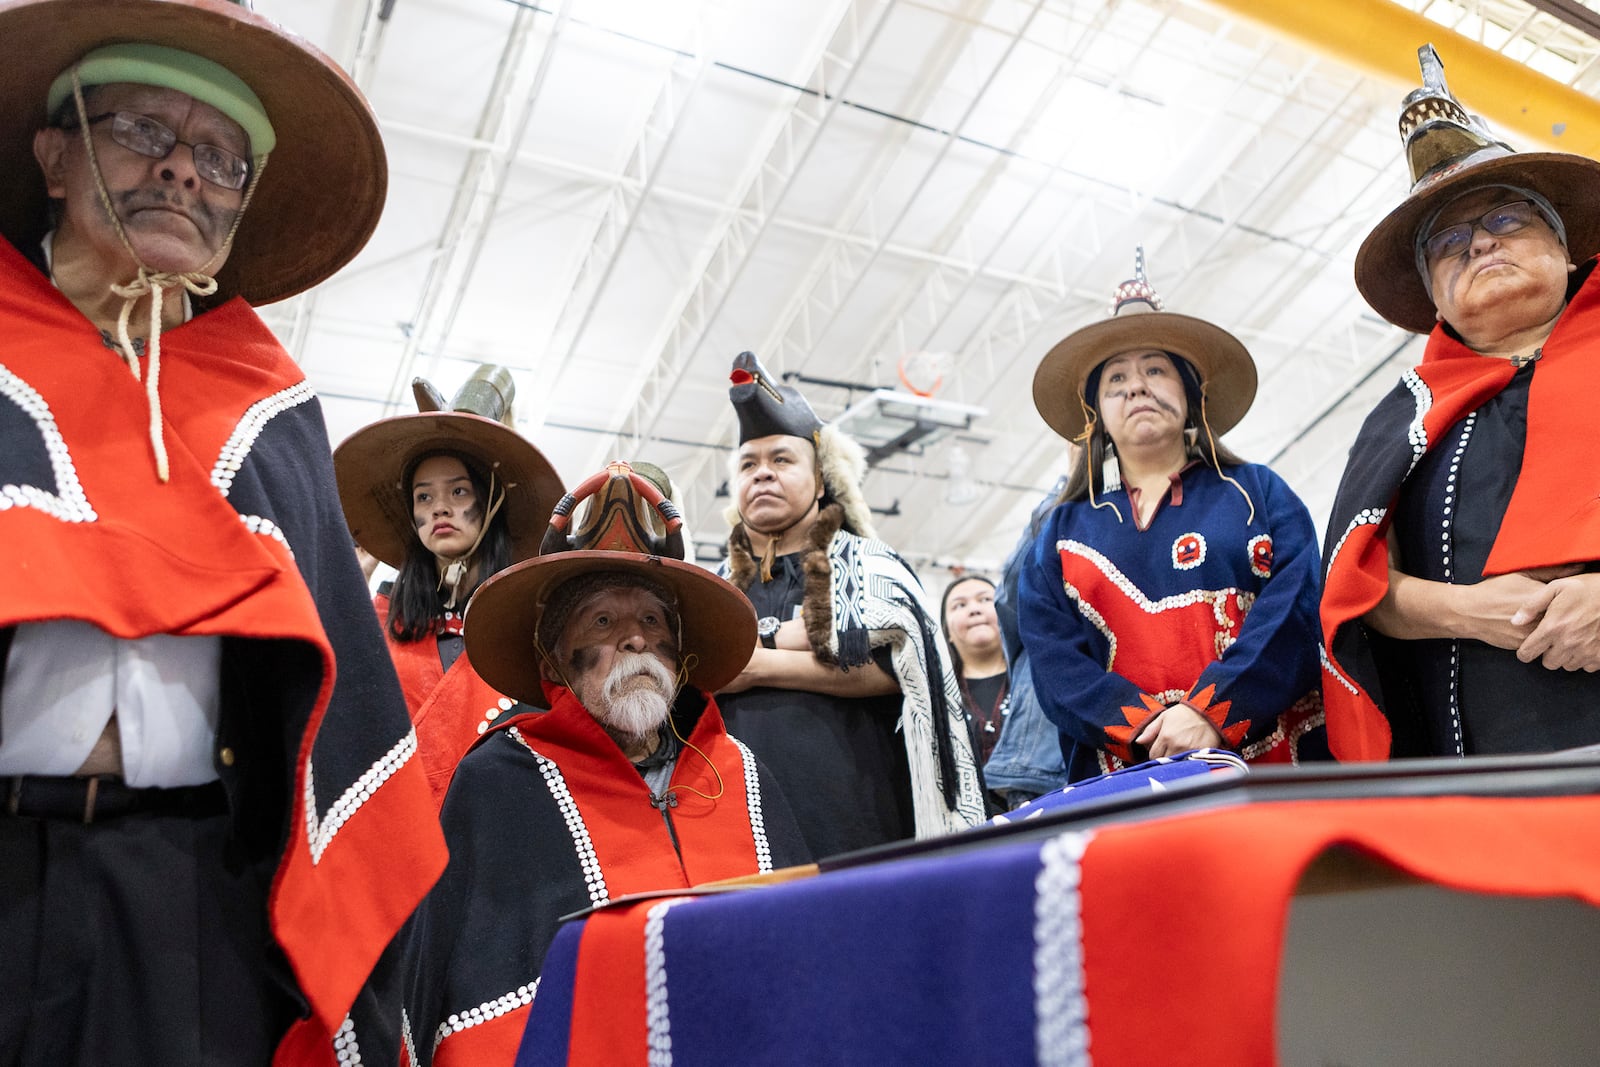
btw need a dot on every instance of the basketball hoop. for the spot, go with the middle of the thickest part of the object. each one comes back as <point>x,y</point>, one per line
<point>923,372</point>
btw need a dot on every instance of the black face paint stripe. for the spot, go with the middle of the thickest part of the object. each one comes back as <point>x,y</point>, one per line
<point>1156,400</point>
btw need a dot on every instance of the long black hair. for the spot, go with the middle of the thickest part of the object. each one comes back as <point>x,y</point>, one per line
<point>415,605</point>
<point>1201,444</point>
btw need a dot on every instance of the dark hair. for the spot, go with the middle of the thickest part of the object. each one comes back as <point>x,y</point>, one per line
<point>415,605</point>
<point>944,618</point>
<point>1205,447</point>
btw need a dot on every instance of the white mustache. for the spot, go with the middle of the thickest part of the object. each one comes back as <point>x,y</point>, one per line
<point>634,709</point>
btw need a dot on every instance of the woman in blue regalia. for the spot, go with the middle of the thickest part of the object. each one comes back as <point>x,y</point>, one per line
<point>1170,599</point>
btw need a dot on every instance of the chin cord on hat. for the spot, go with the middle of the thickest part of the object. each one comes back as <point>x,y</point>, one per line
<point>153,283</point>
<point>1109,467</point>
<point>1216,465</point>
<point>456,572</point>
<point>683,679</point>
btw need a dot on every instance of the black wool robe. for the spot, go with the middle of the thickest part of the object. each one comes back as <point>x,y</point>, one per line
<point>546,817</point>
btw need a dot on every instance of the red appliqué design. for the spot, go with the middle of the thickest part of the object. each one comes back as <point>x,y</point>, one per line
<point>1261,555</point>
<point>1188,551</point>
<point>1205,702</point>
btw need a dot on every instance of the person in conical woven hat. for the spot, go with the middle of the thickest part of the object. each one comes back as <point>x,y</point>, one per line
<point>628,783</point>
<point>1169,600</point>
<point>1463,539</point>
<point>175,548</point>
<point>448,496</point>
<point>851,699</point>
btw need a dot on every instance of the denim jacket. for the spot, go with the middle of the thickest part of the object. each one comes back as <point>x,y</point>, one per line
<point>1028,756</point>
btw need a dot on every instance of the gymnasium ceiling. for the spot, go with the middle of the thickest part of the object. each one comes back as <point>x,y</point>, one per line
<point>614,197</point>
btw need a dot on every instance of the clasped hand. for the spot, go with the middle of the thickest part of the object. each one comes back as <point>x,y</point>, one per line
<point>1178,729</point>
<point>1559,619</point>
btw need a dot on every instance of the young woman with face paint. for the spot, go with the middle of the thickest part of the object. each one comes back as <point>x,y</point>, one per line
<point>448,498</point>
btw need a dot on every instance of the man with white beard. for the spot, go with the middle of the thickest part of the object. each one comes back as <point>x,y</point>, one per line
<point>629,783</point>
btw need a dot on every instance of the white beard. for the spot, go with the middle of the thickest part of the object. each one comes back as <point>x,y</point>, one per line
<point>636,696</point>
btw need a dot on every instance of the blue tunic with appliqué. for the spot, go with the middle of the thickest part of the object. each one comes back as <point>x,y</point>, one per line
<point>1207,605</point>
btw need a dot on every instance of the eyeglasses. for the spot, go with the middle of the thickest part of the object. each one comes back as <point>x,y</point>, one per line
<point>147,137</point>
<point>1454,240</point>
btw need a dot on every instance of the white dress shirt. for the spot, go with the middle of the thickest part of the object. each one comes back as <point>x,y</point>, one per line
<point>64,678</point>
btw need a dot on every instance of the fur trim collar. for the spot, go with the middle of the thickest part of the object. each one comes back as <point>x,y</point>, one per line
<point>817,601</point>
<point>844,466</point>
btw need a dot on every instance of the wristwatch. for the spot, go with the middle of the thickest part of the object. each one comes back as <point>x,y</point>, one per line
<point>767,629</point>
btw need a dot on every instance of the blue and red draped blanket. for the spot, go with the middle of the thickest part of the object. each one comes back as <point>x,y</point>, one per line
<point>1021,952</point>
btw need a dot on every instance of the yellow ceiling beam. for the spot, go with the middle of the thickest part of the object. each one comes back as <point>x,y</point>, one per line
<point>1381,38</point>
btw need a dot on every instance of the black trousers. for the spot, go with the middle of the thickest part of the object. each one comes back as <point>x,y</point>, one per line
<point>140,939</point>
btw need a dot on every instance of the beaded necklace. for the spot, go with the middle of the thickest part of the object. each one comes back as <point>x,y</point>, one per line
<point>991,721</point>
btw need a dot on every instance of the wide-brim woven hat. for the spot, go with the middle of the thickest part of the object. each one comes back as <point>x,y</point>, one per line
<point>1137,323</point>
<point>323,188</point>
<point>719,624</point>
<point>1451,154</point>
<point>372,464</point>
<point>1386,265</point>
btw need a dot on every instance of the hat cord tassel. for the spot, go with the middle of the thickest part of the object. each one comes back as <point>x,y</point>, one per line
<point>1110,465</point>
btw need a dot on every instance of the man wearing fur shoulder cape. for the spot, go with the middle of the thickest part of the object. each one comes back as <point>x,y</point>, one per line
<point>849,699</point>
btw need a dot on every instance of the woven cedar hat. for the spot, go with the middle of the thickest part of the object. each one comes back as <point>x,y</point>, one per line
<point>373,463</point>
<point>1137,322</point>
<point>1451,154</point>
<point>630,528</point>
<point>322,190</point>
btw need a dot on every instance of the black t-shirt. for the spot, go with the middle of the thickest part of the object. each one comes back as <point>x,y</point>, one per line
<point>840,761</point>
<point>987,709</point>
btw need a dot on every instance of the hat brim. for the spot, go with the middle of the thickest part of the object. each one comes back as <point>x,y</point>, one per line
<point>1227,373</point>
<point>371,466</point>
<point>1386,265</point>
<point>322,191</point>
<point>719,624</point>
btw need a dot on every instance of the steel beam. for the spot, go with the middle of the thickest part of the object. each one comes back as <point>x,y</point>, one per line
<point>742,225</point>
<point>627,196</point>
<point>507,109</point>
<point>1381,38</point>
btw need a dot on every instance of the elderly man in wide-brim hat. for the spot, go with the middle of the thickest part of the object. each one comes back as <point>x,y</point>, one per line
<point>1461,609</point>
<point>628,783</point>
<point>448,497</point>
<point>1169,600</point>
<point>180,582</point>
